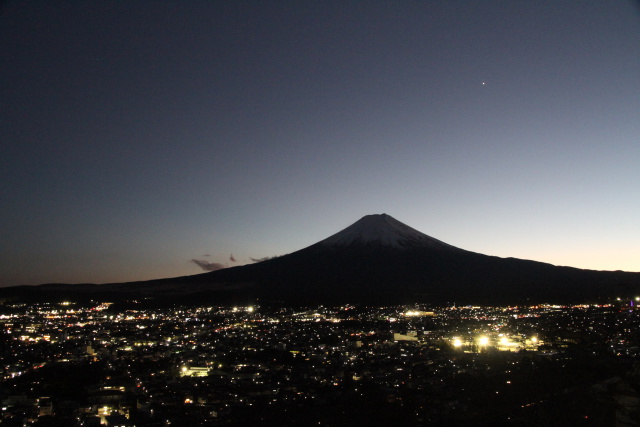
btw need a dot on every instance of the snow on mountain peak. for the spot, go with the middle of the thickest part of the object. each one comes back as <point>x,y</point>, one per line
<point>386,230</point>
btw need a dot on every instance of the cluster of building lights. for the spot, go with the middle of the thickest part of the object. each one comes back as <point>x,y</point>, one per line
<point>501,342</point>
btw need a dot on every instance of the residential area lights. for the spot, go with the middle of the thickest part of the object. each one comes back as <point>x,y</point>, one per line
<point>229,365</point>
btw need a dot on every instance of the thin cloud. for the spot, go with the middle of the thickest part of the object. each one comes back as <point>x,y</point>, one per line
<point>208,266</point>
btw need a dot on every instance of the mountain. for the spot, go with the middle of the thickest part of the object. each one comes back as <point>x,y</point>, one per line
<point>377,260</point>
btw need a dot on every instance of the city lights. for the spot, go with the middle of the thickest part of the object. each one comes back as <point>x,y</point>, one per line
<point>241,357</point>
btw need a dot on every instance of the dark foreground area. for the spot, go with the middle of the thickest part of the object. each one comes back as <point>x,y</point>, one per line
<point>96,364</point>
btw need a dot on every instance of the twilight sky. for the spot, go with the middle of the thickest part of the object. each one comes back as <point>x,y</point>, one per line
<point>138,136</point>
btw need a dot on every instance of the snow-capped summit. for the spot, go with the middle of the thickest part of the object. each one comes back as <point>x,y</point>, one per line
<point>385,230</point>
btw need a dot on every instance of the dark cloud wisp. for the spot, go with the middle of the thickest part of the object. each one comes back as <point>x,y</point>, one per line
<point>267,258</point>
<point>208,266</point>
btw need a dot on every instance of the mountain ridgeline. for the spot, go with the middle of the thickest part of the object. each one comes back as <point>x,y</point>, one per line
<point>377,260</point>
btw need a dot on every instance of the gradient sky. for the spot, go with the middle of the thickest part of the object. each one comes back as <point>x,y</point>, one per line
<point>138,136</point>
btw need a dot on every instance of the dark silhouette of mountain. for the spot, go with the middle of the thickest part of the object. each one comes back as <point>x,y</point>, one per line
<point>377,260</point>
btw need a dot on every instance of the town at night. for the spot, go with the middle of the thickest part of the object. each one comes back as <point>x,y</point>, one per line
<point>90,364</point>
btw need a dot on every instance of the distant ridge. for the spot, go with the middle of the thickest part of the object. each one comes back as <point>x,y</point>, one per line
<point>377,260</point>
